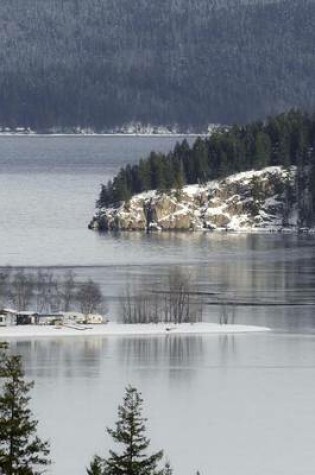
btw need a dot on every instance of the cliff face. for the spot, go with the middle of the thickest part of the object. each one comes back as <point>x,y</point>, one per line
<point>248,201</point>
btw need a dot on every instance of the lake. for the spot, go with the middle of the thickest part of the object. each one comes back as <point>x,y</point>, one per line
<point>228,404</point>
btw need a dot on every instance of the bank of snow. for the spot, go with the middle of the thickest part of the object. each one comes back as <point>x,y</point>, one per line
<point>249,201</point>
<point>116,329</point>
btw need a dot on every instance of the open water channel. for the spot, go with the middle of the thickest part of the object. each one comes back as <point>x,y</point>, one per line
<point>225,405</point>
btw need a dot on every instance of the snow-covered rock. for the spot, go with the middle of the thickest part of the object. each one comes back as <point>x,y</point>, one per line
<point>246,201</point>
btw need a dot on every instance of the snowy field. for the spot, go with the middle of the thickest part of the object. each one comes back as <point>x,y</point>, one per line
<point>116,329</point>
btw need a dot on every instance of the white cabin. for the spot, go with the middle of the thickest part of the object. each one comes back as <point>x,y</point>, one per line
<point>73,317</point>
<point>7,317</point>
<point>77,317</point>
<point>95,319</point>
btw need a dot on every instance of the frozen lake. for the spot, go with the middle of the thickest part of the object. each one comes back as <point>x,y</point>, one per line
<point>248,396</point>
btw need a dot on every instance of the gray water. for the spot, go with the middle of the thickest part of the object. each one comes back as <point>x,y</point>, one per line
<point>221,404</point>
<point>48,190</point>
<point>224,405</point>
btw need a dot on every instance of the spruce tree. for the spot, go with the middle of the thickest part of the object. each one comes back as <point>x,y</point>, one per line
<point>21,450</point>
<point>168,469</point>
<point>96,466</point>
<point>130,432</point>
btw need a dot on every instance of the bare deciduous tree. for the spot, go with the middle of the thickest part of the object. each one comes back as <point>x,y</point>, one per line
<point>46,291</point>
<point>174,302</point>
<point>68,291</point>
<point>5,276</point>
<point>22,290</point>
<point>227,314</point>
<point>89,297</point>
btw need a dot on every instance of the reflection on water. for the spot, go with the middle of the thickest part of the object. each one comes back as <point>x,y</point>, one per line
<point>175,349</point>
<point>85,357</point>
<point>227,348</point>
<point>262,275</point>
<point>269,278</point>
<point>59,358</point>
<point>202,394</point>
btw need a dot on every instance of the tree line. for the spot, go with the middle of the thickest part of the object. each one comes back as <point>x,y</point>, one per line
<point>45,292</point>
<point>22,452</point>
<point>287,139</point>
<point>175,300</point>
<point>67,64</point>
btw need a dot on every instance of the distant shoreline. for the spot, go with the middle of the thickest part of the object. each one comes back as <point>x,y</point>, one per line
<point>120,329</point>
<point>96,135</point>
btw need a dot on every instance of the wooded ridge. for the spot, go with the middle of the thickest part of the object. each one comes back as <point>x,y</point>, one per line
<point>102,63</point>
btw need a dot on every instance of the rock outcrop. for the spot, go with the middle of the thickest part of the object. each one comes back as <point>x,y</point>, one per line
<point>247,201</point>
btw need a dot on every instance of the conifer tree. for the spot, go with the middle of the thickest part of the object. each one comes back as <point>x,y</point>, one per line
<point>130,432</point>
<point>21,450</point>
<point>168,469</point>
<point>96,466</point>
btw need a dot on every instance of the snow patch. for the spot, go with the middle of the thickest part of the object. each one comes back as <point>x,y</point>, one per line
<point>117,329</point>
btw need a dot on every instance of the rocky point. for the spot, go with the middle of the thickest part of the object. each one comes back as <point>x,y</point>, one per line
<point>247,201</point>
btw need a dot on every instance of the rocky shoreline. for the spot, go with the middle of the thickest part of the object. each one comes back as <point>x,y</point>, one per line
<point>254,201</point>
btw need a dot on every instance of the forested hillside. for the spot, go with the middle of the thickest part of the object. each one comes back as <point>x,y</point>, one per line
<point>101,63</point>
<point>285,140</point>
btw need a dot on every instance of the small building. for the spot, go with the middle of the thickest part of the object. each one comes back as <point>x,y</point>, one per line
<point>94,319</point>
<point>50,318</point>
<point>73,317</point>
<point>26,318</point>
<point>7,317</point>
<point>80,318</point>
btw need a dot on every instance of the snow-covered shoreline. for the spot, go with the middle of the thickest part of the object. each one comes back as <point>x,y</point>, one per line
<point>130,129</point>
<point>105,134</point>
<point>119,329</point>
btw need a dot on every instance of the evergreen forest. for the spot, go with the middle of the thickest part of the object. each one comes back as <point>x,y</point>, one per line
<point>102,63</point>
<point>287,139</point>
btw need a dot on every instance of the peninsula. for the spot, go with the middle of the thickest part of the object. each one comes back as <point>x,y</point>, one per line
<point>122,329</point>
<point>256,177</point>
<point>254,201</point>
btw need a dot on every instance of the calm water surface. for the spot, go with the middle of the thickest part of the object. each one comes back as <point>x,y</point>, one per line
<point>48,189</point>
<point>224,405</point>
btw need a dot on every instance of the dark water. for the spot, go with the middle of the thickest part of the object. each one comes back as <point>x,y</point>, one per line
<point>224,405</point>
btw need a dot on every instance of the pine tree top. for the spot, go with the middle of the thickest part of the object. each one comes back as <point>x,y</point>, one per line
<point>130,431</point>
